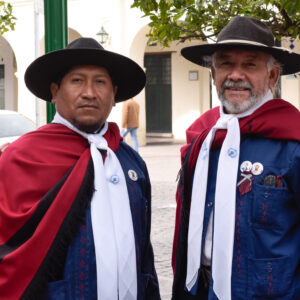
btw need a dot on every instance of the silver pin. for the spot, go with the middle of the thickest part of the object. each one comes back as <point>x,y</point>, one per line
<point>114,179</point>
<point>232,152</point>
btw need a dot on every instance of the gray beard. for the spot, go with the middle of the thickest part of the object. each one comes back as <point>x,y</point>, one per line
<point>237,108</point>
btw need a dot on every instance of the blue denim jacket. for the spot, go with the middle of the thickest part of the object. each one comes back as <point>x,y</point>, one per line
<point>80,278</point>
<point>266,257</point>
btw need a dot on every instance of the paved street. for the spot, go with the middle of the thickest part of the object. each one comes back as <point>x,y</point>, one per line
<point>163,161</point>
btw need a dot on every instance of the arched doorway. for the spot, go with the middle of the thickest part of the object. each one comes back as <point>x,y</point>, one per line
<point>8,79</point>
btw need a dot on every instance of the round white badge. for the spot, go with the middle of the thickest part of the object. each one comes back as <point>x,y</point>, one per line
<point>114,179</point>
<point>246,166</point>
<point>132,175</point>
<point>257,168</point>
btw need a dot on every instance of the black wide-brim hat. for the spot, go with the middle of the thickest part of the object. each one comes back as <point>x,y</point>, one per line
<point>249,34</point>
<point>125,73</point>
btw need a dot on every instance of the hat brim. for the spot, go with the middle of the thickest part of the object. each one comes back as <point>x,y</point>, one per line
<point>290,61</point>
<point>127,74</point>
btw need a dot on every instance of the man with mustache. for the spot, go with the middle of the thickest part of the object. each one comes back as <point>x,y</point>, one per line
<point>75,200</point>
<point>237,232</point>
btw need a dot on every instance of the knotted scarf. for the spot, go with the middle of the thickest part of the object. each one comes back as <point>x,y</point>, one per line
<point>111,221</point>
<point>224,220</point>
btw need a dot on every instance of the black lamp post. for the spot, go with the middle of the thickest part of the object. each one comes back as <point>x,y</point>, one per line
<point>103,35</point>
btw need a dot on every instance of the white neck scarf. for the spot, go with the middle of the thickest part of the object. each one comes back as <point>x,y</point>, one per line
<point>225,199</point>
<point>111,221</point>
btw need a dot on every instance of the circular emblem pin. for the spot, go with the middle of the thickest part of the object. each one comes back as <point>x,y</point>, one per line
<point>114,179</point>
<point>132,175</point>
<point>232,152</point>
<point>246,166</point>
<point>257,168</point>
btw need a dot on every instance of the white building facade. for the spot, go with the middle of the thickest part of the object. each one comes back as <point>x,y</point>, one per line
<point>177,91</point>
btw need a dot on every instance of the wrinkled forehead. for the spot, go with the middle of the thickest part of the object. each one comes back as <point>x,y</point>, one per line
<point>241,54</point>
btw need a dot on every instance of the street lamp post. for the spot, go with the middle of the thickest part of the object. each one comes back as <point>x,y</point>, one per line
<point>56,34</point>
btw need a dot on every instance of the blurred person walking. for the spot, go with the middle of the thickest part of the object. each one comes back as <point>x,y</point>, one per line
<point>130,121</point>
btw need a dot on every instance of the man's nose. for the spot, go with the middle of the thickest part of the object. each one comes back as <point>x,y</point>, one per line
<point>236,73</point>
<point>88,90</point>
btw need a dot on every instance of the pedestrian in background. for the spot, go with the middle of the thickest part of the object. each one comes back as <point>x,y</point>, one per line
<point>130,121</point>
<point>237,230</point>
<point>75,200</point>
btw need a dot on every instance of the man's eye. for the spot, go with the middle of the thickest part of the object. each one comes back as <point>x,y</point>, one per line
<point>75,79</point>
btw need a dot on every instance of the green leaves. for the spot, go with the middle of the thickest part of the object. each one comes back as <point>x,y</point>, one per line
<point>291,6</point>
<point>7,20</point>
<point>203,19</point>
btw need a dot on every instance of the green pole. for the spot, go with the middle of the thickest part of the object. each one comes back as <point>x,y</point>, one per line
<point>56,34</point>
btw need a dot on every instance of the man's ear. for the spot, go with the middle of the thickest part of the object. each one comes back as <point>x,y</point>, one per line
<point>213,73</point>
<point>115,92</point>
<point>273,77</point>
<point>53,89</point>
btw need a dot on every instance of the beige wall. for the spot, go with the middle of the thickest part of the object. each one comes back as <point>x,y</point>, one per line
<point>190,97</point>
<point>290,84</point>
<point>137,54</point>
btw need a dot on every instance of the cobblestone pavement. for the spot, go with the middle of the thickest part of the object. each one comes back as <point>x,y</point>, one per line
<point>163,162</point>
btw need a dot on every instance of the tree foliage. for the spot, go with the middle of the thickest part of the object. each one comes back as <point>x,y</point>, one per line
<point>7,20</point>
<point>182,20</point>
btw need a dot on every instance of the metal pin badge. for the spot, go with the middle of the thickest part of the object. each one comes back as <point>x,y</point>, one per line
<point>246,166</point>
<point>114,179</point>
<point>257,168</point>
<point>133,175</point>
<point>232,152</point>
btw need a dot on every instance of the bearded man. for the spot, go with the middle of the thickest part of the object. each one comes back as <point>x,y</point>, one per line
<point>75,200</point>
<point>237,233</point>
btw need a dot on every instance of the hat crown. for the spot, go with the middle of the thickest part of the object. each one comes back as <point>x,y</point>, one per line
<point>84,43</point>
<point>247,29</point>
<point>246,34</point>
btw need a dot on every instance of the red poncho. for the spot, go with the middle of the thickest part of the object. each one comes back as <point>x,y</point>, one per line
<point>46,181</point>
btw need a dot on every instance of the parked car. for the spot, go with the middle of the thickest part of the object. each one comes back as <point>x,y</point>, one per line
<point>12,126</point>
